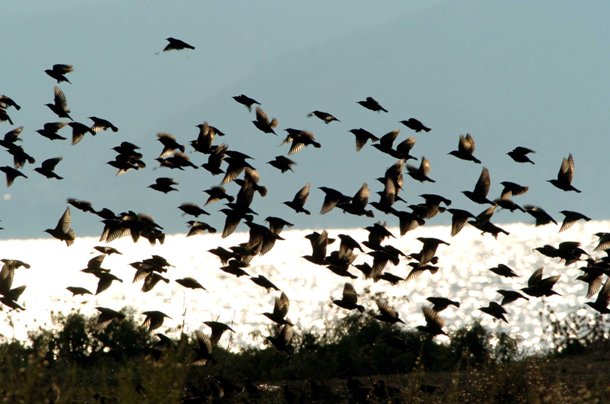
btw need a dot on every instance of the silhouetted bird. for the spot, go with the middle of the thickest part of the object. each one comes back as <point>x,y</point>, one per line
<point>433,204</point>
<point>363,136</point>
<point>7,102</point>
<point>387,314</point>
<point>466,147</point>
<point>429,248</point>
<point>60,104</point>
<point>325,116</point>
<point>332,198</point>
<point>282,163</point>
<point>246,101</point>
<point>495,310</point>
<point>79,130</point>
<point>176,44</point>
<point>62,230</point>
<point>77,290</point>
<point>164,184</point>
<point>58,72</point>
<point>192,209</point>
<point>415,125</point>
<point>11,138</point>
<point>11,174</point>
<point>170,145</point>
<point>434,323</point>
<point>190,283</point>
<point>106,317</point>
<point>408,221</point>
<point>263,282</point>
<point>205,138</point>
<point>4,116</point>
<point>512,189</point>
<point>386,143</point>
<point>509,296</point>
<point>215,159</point>
<point>519,154</point>
<point>441,303</point>
<point>50,129</point>
<point>198,227</point>
<point>263,123</point>
<point>565,175</point>
<point>47,167</point>
<point>539,214</point>
<point>420,173</point>
<point>299,139</point>
<point>281,341</point>
<point>154,319</point>
<point>503,270</point>
<point>481,188</point>
<point>203,350</point>
<point>537,286</point>
<point>603,299</point>
<point>372,104</point>
<point>105,279</point>
<point>349,299</point>
<point>101,124</point>
<point>357,204</point>
<point>218,329</point>
<point>319,242</point>
<point>280,310</point>
<point>570,218</point>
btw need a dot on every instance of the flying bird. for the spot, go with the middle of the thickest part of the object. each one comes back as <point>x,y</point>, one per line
<point>246,101</point>
<point>372,104</point>
<point>62,230</point>
<point>263,123</point>
<point>176,44</point>
<point>349,299</point>
<point>59,71</point>
<point>481,188</point>
<point>47,167</point>
<point>538,286</point>
<point>60,104</point>
<point>520,154</point>
<point>325,116</point>
<point>565,175</point>
<point>465,149</point>
<point>415,125</point>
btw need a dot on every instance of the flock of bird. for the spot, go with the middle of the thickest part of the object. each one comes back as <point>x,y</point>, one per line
<point>232,166</point>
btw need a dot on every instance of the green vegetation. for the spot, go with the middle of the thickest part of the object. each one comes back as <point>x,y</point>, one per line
<point>358,359</point>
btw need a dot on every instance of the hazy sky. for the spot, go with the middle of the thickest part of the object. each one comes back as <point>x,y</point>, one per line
<point>509,73</point>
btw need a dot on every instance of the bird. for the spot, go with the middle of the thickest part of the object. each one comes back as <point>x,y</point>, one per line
<point>282,163</point>
<point>324,116</point>
<point>101,124</point>
<point>60,104</point>
<point>429,248</point>
<point>106,317</point>
<point>47,167</point>
<point>4,116</point>
<point>363,136</point>
<point>481,189</point>
<point>79,130</point>
<point>59,71</point>
<point>565,175</point>
<point>154,319</point>
<point>349,299</point>
<point>372,104</point>
<point>218,329</point>
<point>280,310</point>
<point>191,209</point>
<point>441,303</point>
<point>11,174</point>
<point>466,147</point>
<point>512,189</point>
<point>170,145</point>
<point>50,129</point>
<point>387,314</point>
<point>190,283</point>
<point>176,44</point>
<point>263,282</point>
<point>520,154</point>
<point>203,350</point>
<point>263,123</point>
<point>434,323</point>
<point>541,216</point>
<point>164,184</point>
<point>77,290</point>
<point>105,279</point>
<point>509,296</point>
<point>7,102</point>
<point>495,310</point>
<point>538,286</point>
<point>299,139</point>
<point>571,217</point>
<point>62,230</point>
<point>503,270</point>
<point>246,101</point>
<point>415,125</point>
<point>332,198</point>
<point>216,194</point>
<point>603,299</point>
<point>420,173</point>
<point>281,341</point>
<point>205,138</point>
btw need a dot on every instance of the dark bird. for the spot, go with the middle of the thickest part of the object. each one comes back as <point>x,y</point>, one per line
<point>198,227</point>
<point>170,145</point>
<point>386,143</point>
<point>216,194</point>
<point>441,303</point>
<point>77,290</point>
<point>277,224</point>
<point>107,250</point>
<point>509,296</point>
<point>20,157</point>
<point>387,314</point>
<point>280,310</point>
<point>503,270</point>
<point>59,71</point>
<point>281,341</point>
<point>11,174</point>
<point>603,299</point>
<point>332,198</point>
<point>192,209</point>
<point>429,248</point>
<point>349,299</point>
<point>164,184</point>
<point>357,204</point>
<point>246,101</point>
<point>263,123</point>
<point>434,323</point>
<point>282,163</point>
<point>218,329</point>
<point>47,167</point>
<point>106,317</point>
<point>512,189</point>
<point>319,243</point>
<point>408,221</point>
<point>101,124</point>
<point>60,104</point>
<point>105,279</point>
<point>205,138</point>
<point>363,136</point>
<point>263,282</point>
<point>377,234</point>
<point>79,130</point>
<point>466,147</point>
<point>372,104</point>
<point>299,139</point>
<point>420,173</point>
<point>176,44</point>
<point>215,159</point>
<point>539,214</point>
<point>62,230</point>
<point>495,310</point>
<point>415,125</point>
<point>203,350</point>
<point>4,116</point>
<point>7,102</point>
<point>537,286</point>
<point>325,116</point>
<point>50,129</point>
<point>11,138</point>
<point>154,319</point>
<point>433,204</point>
<point>481,188</point>
<point>571,217</point>
<point>520,154</point>
<point>190,283</point>
<point>565,175</point>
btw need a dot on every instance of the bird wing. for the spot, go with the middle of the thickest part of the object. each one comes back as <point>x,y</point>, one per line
<point>60,99</point>
<point>535,279</point>
<point>483,183</point>
<point>349,294</point>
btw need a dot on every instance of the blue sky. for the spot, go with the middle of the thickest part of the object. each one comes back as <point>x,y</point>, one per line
<point>508,73</point>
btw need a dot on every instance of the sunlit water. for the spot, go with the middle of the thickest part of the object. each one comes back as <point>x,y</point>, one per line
<point>463,276</point>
